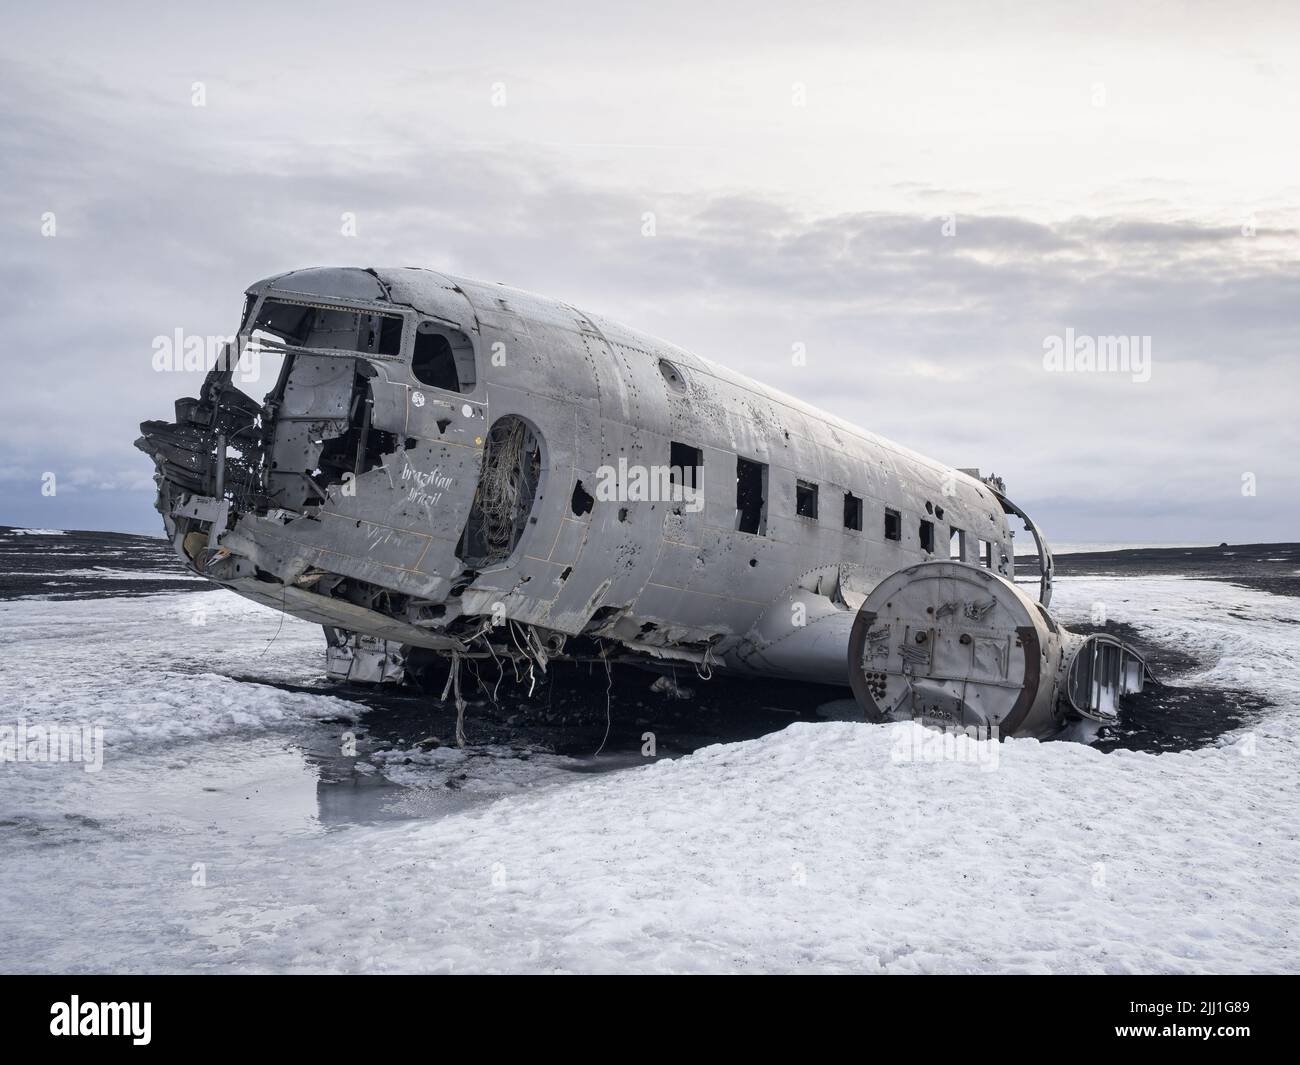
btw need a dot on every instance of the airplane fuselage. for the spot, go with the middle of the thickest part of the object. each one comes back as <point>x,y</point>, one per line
<point>451,468</point>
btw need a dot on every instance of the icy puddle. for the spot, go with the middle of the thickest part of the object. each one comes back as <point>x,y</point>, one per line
<point>259,788</point>
<point>232,827</point>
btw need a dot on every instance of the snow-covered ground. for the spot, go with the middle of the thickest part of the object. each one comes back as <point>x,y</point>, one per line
<point>227,831</point>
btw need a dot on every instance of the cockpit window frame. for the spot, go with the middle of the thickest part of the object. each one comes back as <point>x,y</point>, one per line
<point>249,327</point>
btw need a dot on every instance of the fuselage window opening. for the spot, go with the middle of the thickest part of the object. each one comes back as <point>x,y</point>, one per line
<point>927,535</point>
<point>509,480</point>
<point>893,525</point>
<point>684,465</point>
<point>443,358</point>
<point>852,512</point>
<point>986,553</point>
<point>751,497</point>
<point>805,499</point>
<point>957,545</point>
<point>582,501</point>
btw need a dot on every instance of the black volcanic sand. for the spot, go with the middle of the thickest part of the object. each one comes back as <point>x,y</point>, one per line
<point>567,713</point>
<point>36,565</point>
<point>1166,718</point>
<point>573,707</point>
<point>1264,567</point>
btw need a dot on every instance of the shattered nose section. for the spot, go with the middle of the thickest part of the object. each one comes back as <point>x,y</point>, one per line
<point>955,645</point>
<point>186,450</point>
<point>213,447</point>
<point>347,496</point>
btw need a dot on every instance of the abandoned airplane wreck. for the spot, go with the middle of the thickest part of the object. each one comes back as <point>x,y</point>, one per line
<point>444,469</point>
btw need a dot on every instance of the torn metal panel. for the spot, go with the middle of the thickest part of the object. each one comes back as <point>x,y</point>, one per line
<point>359,659</point>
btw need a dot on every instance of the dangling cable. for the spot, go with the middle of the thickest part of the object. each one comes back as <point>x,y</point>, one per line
<point>704,669</point>
<point>453,687</point>
<point>284,600</point>
<point>609,685</point>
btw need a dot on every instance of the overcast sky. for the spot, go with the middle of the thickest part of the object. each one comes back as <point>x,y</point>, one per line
<point>921,195</point>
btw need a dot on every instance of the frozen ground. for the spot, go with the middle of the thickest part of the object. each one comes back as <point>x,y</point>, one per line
<point>230,829</point>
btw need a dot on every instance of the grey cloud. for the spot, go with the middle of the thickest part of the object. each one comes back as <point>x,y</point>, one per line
<point>935,341</point>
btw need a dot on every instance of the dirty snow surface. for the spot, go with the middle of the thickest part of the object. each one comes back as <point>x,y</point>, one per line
<point>230,828</point>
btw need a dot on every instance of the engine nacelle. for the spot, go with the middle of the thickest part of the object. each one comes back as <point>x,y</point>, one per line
<point>956,645</point>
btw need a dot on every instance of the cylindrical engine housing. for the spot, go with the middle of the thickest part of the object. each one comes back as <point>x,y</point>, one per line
<point>955,645</point>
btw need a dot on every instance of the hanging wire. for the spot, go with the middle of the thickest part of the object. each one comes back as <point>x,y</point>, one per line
<point>609,687</point>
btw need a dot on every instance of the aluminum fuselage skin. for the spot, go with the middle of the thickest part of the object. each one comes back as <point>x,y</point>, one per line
<point>659,579</point>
